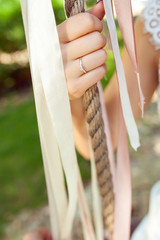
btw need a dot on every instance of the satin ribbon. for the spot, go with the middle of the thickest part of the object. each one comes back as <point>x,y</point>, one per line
<point>125,19</point>
<point>54,119</point>
<point>121,175</point>
<point>126,107</point>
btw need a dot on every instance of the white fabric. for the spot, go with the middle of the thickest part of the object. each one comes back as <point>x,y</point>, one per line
<point>151,19</point>
<point>138,6</point>
<point>149,229</point>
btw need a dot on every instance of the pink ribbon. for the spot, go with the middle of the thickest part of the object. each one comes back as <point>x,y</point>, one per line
<point>122,179</point>
<point>123,185</point>
<point>125,19</point>
<point>121,175</point>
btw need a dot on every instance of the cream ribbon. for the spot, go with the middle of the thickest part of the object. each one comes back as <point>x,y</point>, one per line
<point>54,119</point>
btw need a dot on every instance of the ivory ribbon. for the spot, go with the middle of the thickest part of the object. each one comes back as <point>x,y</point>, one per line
<point>52,105</point>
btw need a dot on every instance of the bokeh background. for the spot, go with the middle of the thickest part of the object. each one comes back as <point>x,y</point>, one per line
<point>23,198</point>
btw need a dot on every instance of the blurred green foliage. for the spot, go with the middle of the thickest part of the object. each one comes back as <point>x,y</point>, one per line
<point>12,39</point>
<point>21,170</point>
<point>11,28</point>
<point>22,180</point>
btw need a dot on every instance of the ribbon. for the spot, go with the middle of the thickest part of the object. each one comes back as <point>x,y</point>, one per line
<point>126,107</point>
<point>53,108</point>
<point>121,175</point>
<point>125,19</point>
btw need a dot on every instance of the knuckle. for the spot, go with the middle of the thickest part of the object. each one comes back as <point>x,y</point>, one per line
<point>100,39</point>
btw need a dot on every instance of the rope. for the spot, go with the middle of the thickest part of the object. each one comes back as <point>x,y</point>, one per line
<point>91,103</point>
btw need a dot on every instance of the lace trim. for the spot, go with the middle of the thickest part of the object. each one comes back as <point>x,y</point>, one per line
<point>151,19</point>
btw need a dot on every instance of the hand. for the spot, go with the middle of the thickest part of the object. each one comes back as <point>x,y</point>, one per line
<point>80,37</point>
<point>40,234</point>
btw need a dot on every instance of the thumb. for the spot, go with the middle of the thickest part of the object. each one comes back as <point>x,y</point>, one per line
<point>98,10</point>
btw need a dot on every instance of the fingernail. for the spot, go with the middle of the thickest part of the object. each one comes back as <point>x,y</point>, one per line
<point>99,1</point>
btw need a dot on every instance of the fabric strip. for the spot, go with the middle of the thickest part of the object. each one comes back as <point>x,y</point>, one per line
<point>53,113</point>
<point>125,19</point>
<point>122,186</point>
<point>126,107</point>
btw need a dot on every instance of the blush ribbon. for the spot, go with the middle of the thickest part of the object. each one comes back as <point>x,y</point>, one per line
<point>125,19</point>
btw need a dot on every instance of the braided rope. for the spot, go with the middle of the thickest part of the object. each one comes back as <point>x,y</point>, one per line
<point>93,109</point>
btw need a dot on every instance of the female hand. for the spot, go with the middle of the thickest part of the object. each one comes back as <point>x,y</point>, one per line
<point>81,38</point>
<point>40,234</point>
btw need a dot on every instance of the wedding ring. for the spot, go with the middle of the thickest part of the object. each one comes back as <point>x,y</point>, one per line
<point>81,66</point>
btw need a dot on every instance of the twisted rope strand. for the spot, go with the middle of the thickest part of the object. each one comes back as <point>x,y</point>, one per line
<point>91,103</point>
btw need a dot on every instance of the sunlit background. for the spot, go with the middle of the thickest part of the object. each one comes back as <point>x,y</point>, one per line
<point>23,199</point>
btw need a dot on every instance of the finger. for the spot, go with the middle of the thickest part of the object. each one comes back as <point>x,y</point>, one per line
<point>83,46</point>
<point>78,87</point>
<point>77,26</point>
<point>89,62</point>
<point>98,10</point>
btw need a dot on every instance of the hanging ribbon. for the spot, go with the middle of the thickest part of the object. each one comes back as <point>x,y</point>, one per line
<point>53,108</point>
<point>126,107</point>
<point>125,19</point>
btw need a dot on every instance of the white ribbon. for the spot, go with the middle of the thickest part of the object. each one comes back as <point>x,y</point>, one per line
<point>54,117</point>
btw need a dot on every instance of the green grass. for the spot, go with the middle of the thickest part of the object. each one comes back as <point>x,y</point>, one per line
<point>22,183</point>
<point>21,170</point>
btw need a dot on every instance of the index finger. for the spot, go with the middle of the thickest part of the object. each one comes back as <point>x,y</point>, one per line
<point>78,26</point>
